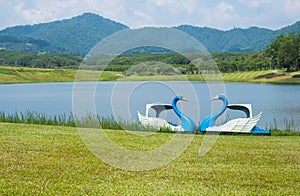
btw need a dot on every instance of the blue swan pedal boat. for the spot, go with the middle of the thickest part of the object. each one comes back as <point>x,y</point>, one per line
<point>186,123</point>
<point>238,125</point>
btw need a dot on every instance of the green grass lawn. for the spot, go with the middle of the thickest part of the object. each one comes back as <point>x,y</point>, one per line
<point>53,160</point>
<point>243,76</point>
<point>10,75</point>
<point>248,76</point>
<point>251,76</point>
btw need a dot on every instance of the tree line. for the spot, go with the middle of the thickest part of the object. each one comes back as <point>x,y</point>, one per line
<point>43,60</point>
<point>225,62</point>
<point>282,53</point>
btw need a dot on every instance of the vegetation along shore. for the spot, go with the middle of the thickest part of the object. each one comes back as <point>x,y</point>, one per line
<point>279,63</point>
<point>90,121</point>
<point>16,75</point>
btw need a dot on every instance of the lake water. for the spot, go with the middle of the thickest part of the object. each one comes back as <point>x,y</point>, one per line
<point>123,99</point>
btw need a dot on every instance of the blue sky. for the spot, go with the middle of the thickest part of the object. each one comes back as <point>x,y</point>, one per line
<point>224,15</point>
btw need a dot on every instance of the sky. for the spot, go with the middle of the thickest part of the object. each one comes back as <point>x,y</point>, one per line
<point>223,15</point>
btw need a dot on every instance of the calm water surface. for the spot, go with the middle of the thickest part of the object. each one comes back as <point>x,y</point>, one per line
<point>123,99</point>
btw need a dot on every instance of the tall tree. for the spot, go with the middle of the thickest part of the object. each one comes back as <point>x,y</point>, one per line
<point>284,51</point>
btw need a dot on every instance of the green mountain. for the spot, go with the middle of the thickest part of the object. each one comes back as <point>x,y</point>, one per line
<point>79,34</point>
<point>237,39</point>
<point>286,30</point>
<point>27,44</point>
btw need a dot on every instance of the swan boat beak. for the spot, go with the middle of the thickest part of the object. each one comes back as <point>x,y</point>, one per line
<point>214,98</point>
<point>184,99</point>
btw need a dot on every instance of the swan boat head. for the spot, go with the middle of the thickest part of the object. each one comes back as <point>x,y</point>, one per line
<point>187,123</point>
<point>210,121</point>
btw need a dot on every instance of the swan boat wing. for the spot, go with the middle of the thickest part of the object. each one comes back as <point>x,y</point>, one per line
<point>158,108</point>
<point>242,125</point>
<point>247,108</point>
<point>157,123</point>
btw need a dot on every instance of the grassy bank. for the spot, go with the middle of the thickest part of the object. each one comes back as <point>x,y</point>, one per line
<point>53,160</point>
<point>265,76</point>
<point>10,75</point>
<point>90,121</point>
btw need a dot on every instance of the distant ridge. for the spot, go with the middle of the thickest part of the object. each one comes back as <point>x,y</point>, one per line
<point>27,44</point>
<point>79,34</point>
<point>235,40</point>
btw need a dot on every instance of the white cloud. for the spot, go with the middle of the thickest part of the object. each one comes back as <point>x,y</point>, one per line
<point>34,11</point>
<point>165,2</point>
<point>292,8</point>
<point>255,3</point>
<point>143,15</point>
<point>32,15</point>
<point>135,13</point>
<point>188,6</point>
<point>224,7</point>
<point>272,14</point>
<point>222,15</point>
<point>105,7</point>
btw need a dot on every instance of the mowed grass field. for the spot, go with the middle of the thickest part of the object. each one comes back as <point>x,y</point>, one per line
<point>279,77</point>
<point>243,76</point>
<point>9,75</point>
<point>53,160</point>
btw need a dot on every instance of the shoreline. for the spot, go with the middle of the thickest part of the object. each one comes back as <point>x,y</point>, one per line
<point>274,132</point>
<point>68,120</point>
<point>21,75</point>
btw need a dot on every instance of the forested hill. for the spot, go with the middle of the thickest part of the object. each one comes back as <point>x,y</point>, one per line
<point>237,39</point>
<point>28,44</point>
<point>79,34</point>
